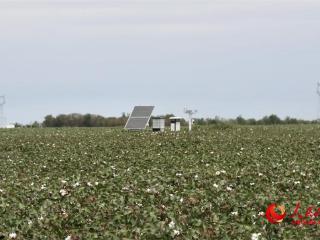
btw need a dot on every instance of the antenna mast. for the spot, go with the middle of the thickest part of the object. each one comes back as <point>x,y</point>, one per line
<point>190,113</point>
<point>2,117</point>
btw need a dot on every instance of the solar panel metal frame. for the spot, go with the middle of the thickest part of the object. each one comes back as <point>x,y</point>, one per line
<point>139,113</point>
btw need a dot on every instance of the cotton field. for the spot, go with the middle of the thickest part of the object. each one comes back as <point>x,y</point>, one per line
<point>212,183</point>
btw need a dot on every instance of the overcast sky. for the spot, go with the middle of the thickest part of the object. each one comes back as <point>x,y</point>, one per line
<point>222,57</point>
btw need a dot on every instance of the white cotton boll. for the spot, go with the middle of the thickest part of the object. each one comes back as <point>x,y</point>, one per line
<point>12,235</point>
<point>255,236</point>
<point>176,232</point>
<point>172,225</point>
<point>235,213</point>
<point>63,192</point>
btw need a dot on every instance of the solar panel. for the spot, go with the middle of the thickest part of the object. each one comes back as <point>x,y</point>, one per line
<point>139,118</point>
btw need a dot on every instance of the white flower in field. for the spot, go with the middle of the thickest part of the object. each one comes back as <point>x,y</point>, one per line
<point>196,176</point>
<point>303,174</point>
<point>307,187</point>
<point>296,182</point>
<point>29,222</point>
<point>223,171</point>
<point>113,167</point>
<point>229,189</point>
<point>235,213</point>
<point>76,184</point>
<point>211,152</point>
<point>181,200</point>
<point>178,174</point>
<point>89,184</point>
<point>260,174</point>
<point>261,213</point>
<point>176,232</point>
<point>293,170</point>
<point>216,185</point>
<point>63,192</point>
<point>1,191</point>
<point>241,149</point>
<point>255,236</point>
<point>40,218</point>
<point>96,183</point>
<point>68,238</point>
<point>207,164</point>
<point>252,184</point>
<point>43,187</point>
<point>12,235</point>
<point>63,181</point>
<point>172,225</point>
<point>148,190</point>
<point>218,173</point>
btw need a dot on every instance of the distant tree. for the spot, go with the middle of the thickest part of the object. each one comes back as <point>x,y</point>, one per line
<point>289,120</point>
<point>240,120</point>
<point>36,124</point>
<point>87,120</point>
<point>18,125</point>
<point>49,121</point>
<point>251,121</point>
<point>274,119</point>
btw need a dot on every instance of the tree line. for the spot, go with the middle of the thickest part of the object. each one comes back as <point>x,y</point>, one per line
<point>83,120</point>
<point>267,120</point>
<point>93,120</point>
